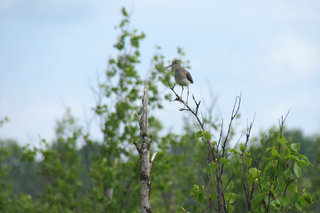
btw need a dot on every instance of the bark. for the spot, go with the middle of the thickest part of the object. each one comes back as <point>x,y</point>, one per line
<point>144,153</point>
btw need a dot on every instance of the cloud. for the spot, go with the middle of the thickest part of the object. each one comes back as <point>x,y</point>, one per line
<point>57,11</point>
<point>32,120</point>
<point>303,106</point>
<point>294,56</point>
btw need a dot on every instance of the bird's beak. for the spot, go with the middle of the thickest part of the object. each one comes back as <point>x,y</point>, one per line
<point>168,66</point>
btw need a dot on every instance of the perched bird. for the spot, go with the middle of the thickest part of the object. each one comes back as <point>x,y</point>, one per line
<point>181,76</point>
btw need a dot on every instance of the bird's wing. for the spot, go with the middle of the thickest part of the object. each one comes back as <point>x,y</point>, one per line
<point>189,77</point>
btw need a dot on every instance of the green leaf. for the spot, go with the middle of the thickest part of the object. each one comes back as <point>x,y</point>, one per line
<point>288,174</point>
<point>275,153</point>
<point>199,134</point>
<point>292,188</point>
<point>260,196</point>
<point>295,146</point>
<point>282,184</point>
<point>298,206</point>
<point>303,163</point>
<point>184,210</point>
<point>248,161</point>
<point>275,203</point>
<point>292,157</point>
<point>302,201</point>
<point>297,170</point>
<point>124,12</point>
<point>204,135</point>
<point>236,168</point>
<point>230,197</point>
<point>213,196</point>
<point>234,151</point>
<point>308,198</point>
<point>197,194</point>
<point>282,140</point>
<point>253,172</point>
<point>247,154</point>
<point>195,190</point>
<point>243,147</point>
<point>224,161</point>
<point>211,166</point>
<point>284,200</point>
<point>294,197</point>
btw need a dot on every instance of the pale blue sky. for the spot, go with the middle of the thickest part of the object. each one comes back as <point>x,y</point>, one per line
<point>52,51</point>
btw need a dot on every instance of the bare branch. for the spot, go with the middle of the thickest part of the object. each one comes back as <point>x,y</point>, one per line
<point>207,194</point>
<point>153,157</point>
<point>225,187</point>
<point>213,154</point>
<point>188,108</point>
<point>239,139</point>
<point>249,130</point>
<point>234,114</point>
<point>221,132</point>
<point>137,146</point>
<point>282,121</point>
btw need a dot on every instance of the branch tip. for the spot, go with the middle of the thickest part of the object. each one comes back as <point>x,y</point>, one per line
<point>153,156</point>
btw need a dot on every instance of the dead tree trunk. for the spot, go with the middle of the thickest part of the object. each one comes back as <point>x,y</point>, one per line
<point>144,153</point>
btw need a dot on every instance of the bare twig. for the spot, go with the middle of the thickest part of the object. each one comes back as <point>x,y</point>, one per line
<point>249,130</point>
<point>225,187</point>
<point>138,147</point>
<point>234,114</point>
<point>153,157</point>
<point>207,194</point>
<point>221,132</point>
<point>194,112</point>
<point>247,188</point>
<point>213,153</point>
<point>235,111</point>
<point>281,127</point>
<point>281,123</point>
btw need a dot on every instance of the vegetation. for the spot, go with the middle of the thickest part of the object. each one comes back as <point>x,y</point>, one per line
<point>197,170</point>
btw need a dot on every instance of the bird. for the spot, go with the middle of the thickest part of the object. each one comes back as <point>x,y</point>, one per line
<point>181,76</point>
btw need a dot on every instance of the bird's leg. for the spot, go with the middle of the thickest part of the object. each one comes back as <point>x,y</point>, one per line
<point>181,92</point>
<point>187,95</point>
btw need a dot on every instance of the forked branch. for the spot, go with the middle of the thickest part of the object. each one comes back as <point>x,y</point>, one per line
<point>188,108</point>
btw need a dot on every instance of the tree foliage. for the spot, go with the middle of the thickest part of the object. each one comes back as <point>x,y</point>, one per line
<point>196,171</point>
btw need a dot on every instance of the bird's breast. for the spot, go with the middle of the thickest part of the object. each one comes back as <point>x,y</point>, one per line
<point>181,78</point>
